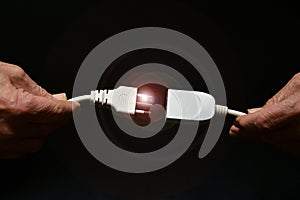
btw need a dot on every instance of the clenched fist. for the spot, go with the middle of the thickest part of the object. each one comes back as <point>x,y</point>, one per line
<point>27,112</point>
<point>277,122</point>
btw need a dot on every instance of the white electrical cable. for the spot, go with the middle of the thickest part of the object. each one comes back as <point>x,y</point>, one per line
<point>235,113</point>
<point>223,110</point>
<point>81,98</point>
<point>181,104</point>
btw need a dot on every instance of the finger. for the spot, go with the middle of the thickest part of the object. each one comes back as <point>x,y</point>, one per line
<point>260,124</point>
<point>253,110</point>
<point>280,135</point>
<point>245,134</point>
<point>267,118</point>
<point>46,110</point>
<point>60,96</point>
<point>20,79</point>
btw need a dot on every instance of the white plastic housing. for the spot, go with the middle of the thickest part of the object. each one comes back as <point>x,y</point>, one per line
<point>190,105</point>
<point>123,98</point>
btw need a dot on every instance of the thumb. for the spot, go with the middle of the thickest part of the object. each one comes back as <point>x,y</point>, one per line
<point>265,119</point>
<point>252,125</point>
<point>48,110</point>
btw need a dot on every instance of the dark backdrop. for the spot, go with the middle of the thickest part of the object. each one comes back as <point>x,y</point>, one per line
<point>254,45</point>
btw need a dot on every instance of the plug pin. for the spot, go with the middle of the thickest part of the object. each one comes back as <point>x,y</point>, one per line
<point>142,112</point>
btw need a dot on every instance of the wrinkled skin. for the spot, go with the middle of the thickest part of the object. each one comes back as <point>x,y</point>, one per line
<point>27,112</point>
<point>277,122</point>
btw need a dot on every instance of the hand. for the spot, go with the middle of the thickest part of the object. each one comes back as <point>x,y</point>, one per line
<point>277,122</point>
<point>27,112</point>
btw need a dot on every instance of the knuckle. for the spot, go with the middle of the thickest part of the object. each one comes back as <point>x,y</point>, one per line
<point>297,76</point>
<point>5,66</point>
<point>271,101</point>
<point>12,70</point>
<point>42,91</point>
<point>289,105</point>
<point>296,81</point>
<point>18,71</point>
<point>274,100</point>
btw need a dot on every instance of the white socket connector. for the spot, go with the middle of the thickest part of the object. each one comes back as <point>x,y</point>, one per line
<point>190,105</point>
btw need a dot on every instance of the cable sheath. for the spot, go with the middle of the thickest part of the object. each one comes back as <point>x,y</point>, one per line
<point>81,98</point>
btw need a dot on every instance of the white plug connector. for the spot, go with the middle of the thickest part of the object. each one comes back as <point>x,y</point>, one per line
<point>181,104</point>
<point>122,99</point>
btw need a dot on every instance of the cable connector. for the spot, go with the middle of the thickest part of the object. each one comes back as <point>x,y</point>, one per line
<point>194,105</point>
<point>190,105</point>
<point>181,104</point>
<point>123,99</point>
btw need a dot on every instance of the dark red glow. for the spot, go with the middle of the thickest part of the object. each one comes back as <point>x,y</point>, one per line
<point>150,96</point>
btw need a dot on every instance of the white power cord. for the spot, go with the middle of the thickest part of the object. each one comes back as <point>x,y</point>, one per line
<point>224,110</point>
<point>181,104</point>
<point>81,98</point>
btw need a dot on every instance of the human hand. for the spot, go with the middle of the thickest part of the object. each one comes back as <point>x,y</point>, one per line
<point>27,112</point>
<point>277,122</point>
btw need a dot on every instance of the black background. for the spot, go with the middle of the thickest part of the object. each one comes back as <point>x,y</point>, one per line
<point>255,46</point>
